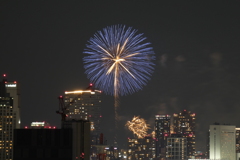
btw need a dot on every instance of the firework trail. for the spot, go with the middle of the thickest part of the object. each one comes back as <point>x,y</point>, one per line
<point>138,126</point>
<point>118,61</point>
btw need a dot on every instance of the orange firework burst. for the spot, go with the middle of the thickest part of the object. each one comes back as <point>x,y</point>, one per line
<point>138,126</point>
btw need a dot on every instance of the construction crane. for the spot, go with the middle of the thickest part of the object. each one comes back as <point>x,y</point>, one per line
<point>63,107</point>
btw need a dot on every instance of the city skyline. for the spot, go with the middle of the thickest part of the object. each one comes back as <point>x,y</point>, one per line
<point>197,58</point>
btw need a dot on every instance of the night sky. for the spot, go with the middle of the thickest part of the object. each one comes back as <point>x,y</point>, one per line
<point>197,45</point>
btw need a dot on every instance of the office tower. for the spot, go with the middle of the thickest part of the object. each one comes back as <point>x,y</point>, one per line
<point>176,147</point>
<point>84,105</point>
<point>222,142</point>
<point>43,144</point>
<point>141,148</point>
<point>184,124</point>
<point>80,138</point>
<point>9,116</point>
<point>162,131</point>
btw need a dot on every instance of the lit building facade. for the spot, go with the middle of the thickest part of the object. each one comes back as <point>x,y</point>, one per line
<point>222,142</point>
<point>9,116</point>
<point>184,124</point>
<point>176,148</point>
<point>85,105</point>
<point>40,124</point>
<point>111,153</point>
<point>162,131</point>
<point>141,149</point>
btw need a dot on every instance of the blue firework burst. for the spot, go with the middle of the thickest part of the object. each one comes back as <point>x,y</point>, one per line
<point>118,60</point>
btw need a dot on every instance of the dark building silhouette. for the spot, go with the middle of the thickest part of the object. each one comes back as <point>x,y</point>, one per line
<point>80,136</point>
<point>69,143</point>
<point>39,144</point>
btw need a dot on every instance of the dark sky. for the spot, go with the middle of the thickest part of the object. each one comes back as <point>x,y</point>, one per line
<point>197,45</point>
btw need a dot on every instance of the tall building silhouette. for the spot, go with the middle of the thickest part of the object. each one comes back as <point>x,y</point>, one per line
<point>80,138</point>
<point>9,116</point>
<point>43,144</point>
<point>184,124</point>
<point>162,131</point>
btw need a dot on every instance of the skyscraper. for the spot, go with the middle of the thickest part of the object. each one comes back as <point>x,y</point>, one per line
<point>176,147</point>
<point>162,131</point>
<point>84,105</point>
<point>9,116</point>
<point>184,124</point>
<point>222,142</point>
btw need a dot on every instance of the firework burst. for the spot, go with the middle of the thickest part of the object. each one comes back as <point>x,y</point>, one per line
<point>118,61</point>
<point>138,126</point>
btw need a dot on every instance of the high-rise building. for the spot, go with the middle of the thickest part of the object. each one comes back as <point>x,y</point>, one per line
<point>85,105</point>
<point>222,142</point>
<point>184,124</point>
<point>162,131</point>
<point>176,147</point>
<point>141,149</point>
<point>9,116</point>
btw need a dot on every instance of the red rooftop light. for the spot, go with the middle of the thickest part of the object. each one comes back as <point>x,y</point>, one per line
<point>4,75</point>
<point>90,84</point>
<point>15,82</point>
